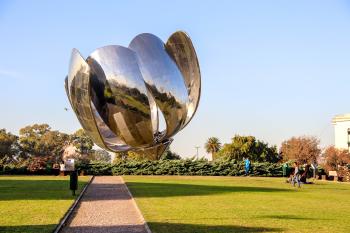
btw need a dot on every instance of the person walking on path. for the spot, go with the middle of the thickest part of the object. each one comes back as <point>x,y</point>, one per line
<point>296,176</point>
<point>247,166</point>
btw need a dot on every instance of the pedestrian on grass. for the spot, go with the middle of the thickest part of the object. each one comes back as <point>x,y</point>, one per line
<point>314,169</point>
<point>296,175</point>
<point>247,166</point>
<point>285,169</point>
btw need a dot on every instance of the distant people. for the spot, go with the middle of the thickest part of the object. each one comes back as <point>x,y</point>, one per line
<point>296,175</point>
<point>285,169</point>
<point>314,169</point>
<point>247,166</point>
<point>304,175</point>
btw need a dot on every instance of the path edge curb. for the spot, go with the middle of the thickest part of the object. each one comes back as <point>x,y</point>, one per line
<point>63,220</point>
<point>137,208</point>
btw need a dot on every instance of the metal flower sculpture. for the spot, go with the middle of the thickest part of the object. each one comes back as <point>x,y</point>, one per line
<point>118,93</point>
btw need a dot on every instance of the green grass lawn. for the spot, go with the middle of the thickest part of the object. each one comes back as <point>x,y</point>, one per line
<point>240,204</point>
<point>34,203</point>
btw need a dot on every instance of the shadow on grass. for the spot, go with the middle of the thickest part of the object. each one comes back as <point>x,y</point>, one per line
<point>156,227</point>
<point>139,189</point>
<point>293,217</point>
<point>28,229</point>
<point>140,228</point>
<point>97,192</point>
<point>57,190</point>
<point>35,189</point>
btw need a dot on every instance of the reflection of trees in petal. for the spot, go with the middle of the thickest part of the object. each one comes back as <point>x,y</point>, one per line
<point>120,95</point>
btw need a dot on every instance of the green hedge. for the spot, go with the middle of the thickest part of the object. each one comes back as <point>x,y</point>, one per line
<point>161,167</point>
<point>10,169</point>
<point>180,167</point>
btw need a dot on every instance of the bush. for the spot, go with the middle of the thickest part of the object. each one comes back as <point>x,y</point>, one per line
<point>10,169</point>
<point>97,168</point>
<point>180,167</point>
<point>27,169</point>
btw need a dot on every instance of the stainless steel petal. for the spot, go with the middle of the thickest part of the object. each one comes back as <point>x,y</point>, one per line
<point>77,87</point>
<point>126,106</point>
<point>155,152</point>
<point>114,142</point>
<point>154,113</point>
<point>66,88</point>
<point>180,48</point>
<point>164,80</point>
<point>117,93</point>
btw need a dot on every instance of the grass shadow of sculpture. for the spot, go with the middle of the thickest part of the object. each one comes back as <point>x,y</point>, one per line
<point>293,217</point>
<point>54,190</point>
<point>36,189</point>
<point>156,227</point>
<point>28,228</point>
<point>97,192</point>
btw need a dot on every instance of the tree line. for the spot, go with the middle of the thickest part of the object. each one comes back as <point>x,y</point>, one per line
<point>302,149</point>
<point>38,145</point>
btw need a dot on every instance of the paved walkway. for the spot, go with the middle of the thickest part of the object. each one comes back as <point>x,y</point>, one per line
<point>106,207</point>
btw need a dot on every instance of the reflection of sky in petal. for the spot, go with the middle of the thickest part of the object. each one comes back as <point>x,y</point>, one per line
<point>120,66</point>
<point>132,110</point>
<point>158,68</point>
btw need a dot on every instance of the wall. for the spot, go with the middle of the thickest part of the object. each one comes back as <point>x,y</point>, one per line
<point>341,134</point>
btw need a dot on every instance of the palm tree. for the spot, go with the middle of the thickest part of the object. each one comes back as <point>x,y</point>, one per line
<point>212,146</point>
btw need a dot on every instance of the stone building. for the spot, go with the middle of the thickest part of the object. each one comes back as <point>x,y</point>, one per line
<point>342,131</point>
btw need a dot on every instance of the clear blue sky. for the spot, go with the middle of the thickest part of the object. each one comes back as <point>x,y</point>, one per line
<point>272,69</point>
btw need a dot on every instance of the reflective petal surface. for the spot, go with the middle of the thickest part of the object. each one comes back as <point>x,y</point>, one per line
<point>164,80</point>
<point>119,93</point>
<point>180,48</point>
<point>126,109</point>
<point>112,141</point>
<point>156,151</point>
<point>77,87</point>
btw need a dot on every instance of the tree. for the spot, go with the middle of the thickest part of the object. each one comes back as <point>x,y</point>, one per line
<point>40,140</point>
<point>39,164</point>
<point>79,147</point>
<point>169,155</point>
<point>8,146</point>
<point>71,152</point>
<point>136,156</point>
<point>304,149</point>
<point>133,155</point>
<point>249,147</point>
<point>212,146</point>
<point>129,155</point>
<point>120,156</point>
<point>335,158</point>
<point>82,141</point>
<point>100,155</point>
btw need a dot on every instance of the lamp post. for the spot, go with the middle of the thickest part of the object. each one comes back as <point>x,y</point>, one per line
<point>197,147</point>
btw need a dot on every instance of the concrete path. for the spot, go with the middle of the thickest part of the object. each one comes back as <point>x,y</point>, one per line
<point>106,206</point>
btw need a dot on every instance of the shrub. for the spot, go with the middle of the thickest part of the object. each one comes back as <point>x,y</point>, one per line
<point>335,158</point>
<point>180,167</point>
